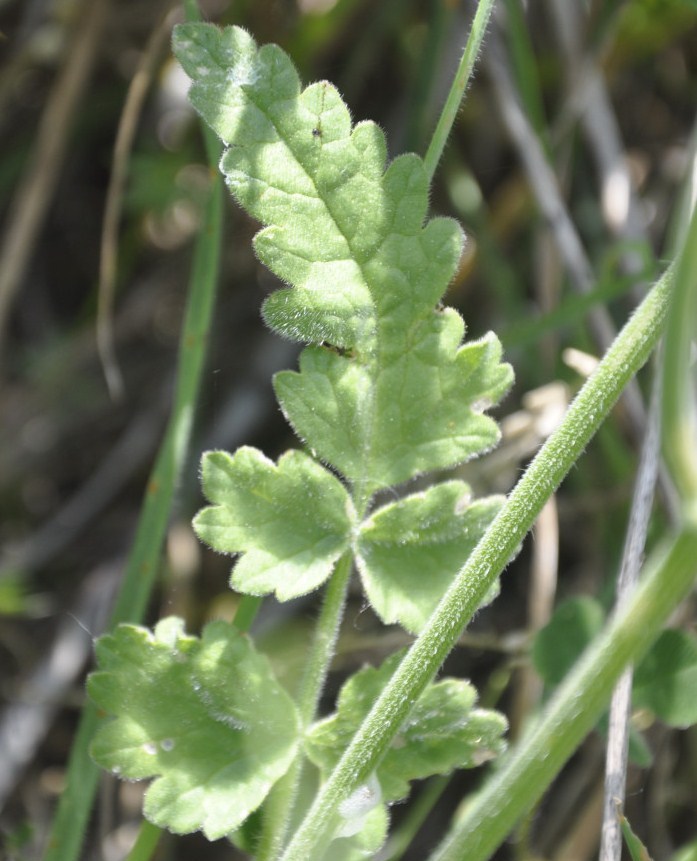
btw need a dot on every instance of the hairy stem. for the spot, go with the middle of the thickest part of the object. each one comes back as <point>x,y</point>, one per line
<point>679,407</point>
<point>532,765</point>
<point>458,86</point>
<point>279,807</point>
<point>628,353</point>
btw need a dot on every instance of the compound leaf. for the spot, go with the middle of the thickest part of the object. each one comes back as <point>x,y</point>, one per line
<point>408,552</point>
<point>291,522</point>
<point>387,390</point>
<point>443,732</point>
<point>205,717</point>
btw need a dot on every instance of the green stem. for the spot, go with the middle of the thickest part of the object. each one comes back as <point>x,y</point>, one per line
<point>416,815</point>
<point>627,354</point>
<point>70,821</point>
<point>146,842</point>
<point>679,408</point>
<point>524,775</point>
<point>279,807</point>
<point>437,30</point>
<point>246,612</point>
<point>458,86</point>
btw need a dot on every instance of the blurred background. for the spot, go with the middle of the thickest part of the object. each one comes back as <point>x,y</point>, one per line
<point>580,119</point>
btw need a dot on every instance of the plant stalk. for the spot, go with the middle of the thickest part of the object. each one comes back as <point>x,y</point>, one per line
<point>146,842</point>
<point>679,399</point>
<point>627,354</point>
<point>70,820</point>
<point>279,808</point>
<point>458,87</point>
<point>527,771</point>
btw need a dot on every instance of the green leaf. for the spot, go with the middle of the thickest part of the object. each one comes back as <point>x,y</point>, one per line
<point>291,522</point>
<point>373,825</point>
<point>557,646</point>
<point>205,717</point>
<point>688,852</point>
<point>637,850</point>
<point>640,753</point>
<point>443,732</point>
<point>246,837</point>
<point>387,391</point>
<point>418,412</point>
<point>666,679</point>
<point>409,551</point>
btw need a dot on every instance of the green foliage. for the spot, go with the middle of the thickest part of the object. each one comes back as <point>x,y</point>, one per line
<point>666,680</point>
<point>647,25</point>
<point>18,840</point>
<point>637,850</point>
<point>443,732</point>
<point>385,391</point>
<point>364,831</point>
<point>409,551</point>
<point>205,716</point>
<point>686,853</point>
<point>13,598</point>
<point>558,645</point>
<point>291,521</point>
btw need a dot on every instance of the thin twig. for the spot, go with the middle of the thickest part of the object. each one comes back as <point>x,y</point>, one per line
<point>25,721</point>
<point>632,557</point>
<point>543,586</point>
<point>35,189</point>
<point>544,185</point>
<point>133,448</point>
<point>588,97</point>
<point>112,210</point>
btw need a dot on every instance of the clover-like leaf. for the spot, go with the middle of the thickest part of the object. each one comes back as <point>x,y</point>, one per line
<point>409,551</point>
<point>443,731</point>
<point>291,522</point>
<point>666,679</point>
<point>387,390</point>
<point>205,717</point>
<point>557,646</point>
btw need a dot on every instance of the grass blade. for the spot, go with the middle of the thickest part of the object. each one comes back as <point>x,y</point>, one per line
<point>69,824</point>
